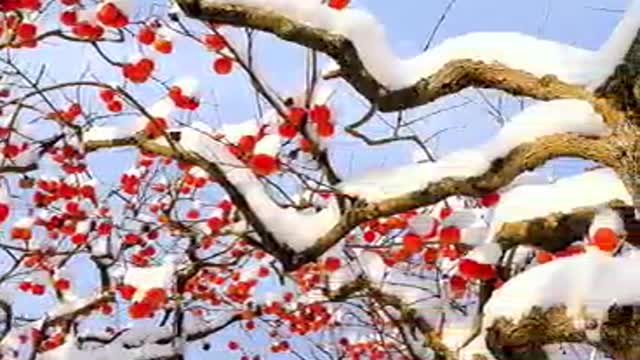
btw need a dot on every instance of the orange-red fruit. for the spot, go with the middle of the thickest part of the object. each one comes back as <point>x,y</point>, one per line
<point>146,35</point>
<point>320,114</point>
<point>62,284</point>
<point>155,127</point>
<point>264,165</point>
<point>163,46</point>
<point>338,4</point>
<point>605,239</point>
<point>223,65</point>
<point>544,257</point>
<point>26,31</point>
<point>325,128</point>
<point>215,42</point>
<point>126,291</point>
<point>412,243</point>
<point>287,131</point>
<point>4,212</point>
<point>450,235</point>
<point>490,200</point>
<point>332,263</point>
<point>110,15</point>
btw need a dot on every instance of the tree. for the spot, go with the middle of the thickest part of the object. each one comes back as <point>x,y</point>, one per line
<point>252,228</point>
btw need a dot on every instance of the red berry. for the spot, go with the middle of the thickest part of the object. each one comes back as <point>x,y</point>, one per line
<point>490,200</point>
<point>412,243</point>
<point>264,165</point>
<point>62,284</point>
<point>223,65</point>
<point>163,46</point>
<point>4,212</point>
<point>114,106</point>
<point>215,42</point>
<point>287,131</point>
<point>605,239</point>
<point>338,4</point>
<point>544,257</point>
<point>126,291</point>
<point>37,289</point>
<point>140,310</point>
<point>69,18</point>
<point>325,128</point>
<point>26,31</point>
<point>146,35</point>
<point>450,235</point>
<point>320,114</point>
<point>332,263</point>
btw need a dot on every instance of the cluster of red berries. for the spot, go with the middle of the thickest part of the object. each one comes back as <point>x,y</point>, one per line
<point>138,72</point>
<point>111,99</point>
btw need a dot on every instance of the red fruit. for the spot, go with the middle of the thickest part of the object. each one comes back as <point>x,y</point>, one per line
<point>457,285</point>
<point>62,284</point>
<point>26,31</point>
<point>332,264</point>
<point>107,95</point>
<point>320,114</point>
<point>156,297</point>
<point>369,236</point>
<point>126,291</point>
<point>338,4</point>
<point>605,239</point>
<point>131,239</point>
<point>223,65</point>
<point>430,255</point>
<point>215,42</point>
<point>469,268</point>
<point>544,257</point>
<point>69,18</point>
<point>325,129</point>
<point>247,143</point>
<point>114,106</point>
<point>69,2</point>
<point>79,239</point>
<point>140,310</point>
<point>287,131</point>
<point>264,165</point>
<point>163,46</point>
<point>37,289</point>
<point>306,145</point>
<point>232,345</point>
<point>155,127</point>
<point>110,15</point>
<point>445,212</point>
<point>4,212</point>
<point>490,200</point>
<point>25,286</point>
<point>412,243</point>
<point>146,35</point>
<point>450,235</point>
<point>296,116</point>
<point>215,224</point>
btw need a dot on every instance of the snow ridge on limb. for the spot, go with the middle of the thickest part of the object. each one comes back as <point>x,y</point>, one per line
<point>553,117</point>
<point>356,40</point>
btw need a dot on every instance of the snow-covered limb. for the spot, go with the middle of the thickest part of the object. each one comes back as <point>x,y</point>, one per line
<point>584,298</point>
<point>357,42</point>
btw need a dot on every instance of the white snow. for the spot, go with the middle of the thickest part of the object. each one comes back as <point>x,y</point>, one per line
<point>488,253</point>
<point>549,118</point>
<point>515,50</point>
<point>588,284</point>
<point>592,188</point>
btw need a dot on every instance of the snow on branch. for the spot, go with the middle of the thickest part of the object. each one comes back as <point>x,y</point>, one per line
<point>553,117</point>
<point>356,40</point>
<point>581,297</point>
